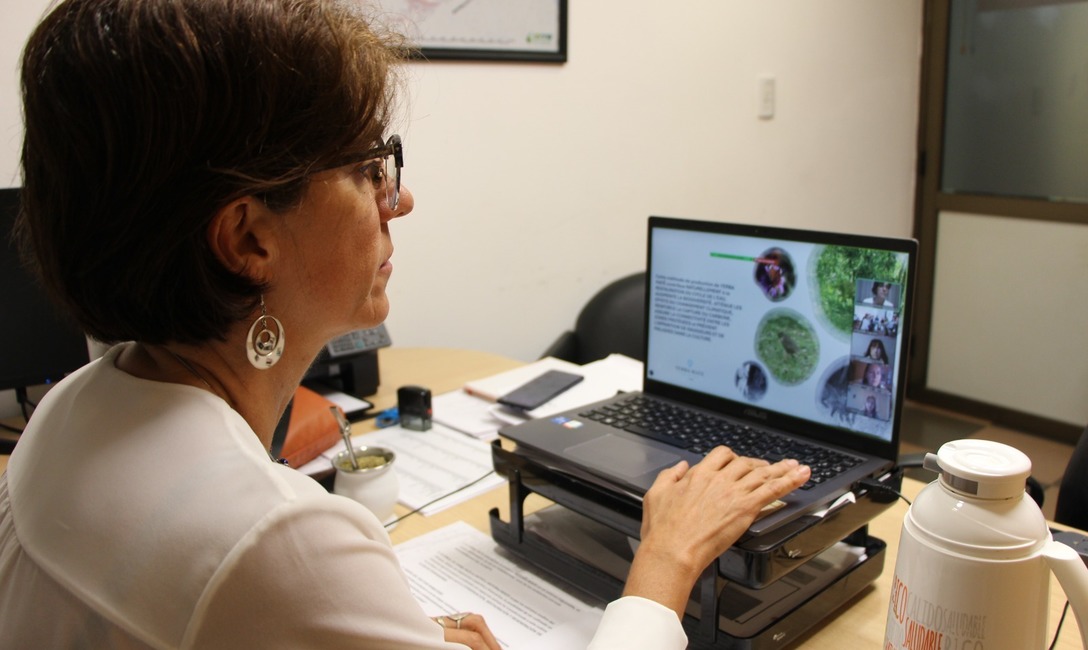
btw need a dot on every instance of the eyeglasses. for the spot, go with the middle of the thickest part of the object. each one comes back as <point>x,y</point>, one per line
<point>391,154</point>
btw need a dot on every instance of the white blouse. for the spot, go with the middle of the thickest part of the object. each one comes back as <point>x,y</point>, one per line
<point>137,514</point>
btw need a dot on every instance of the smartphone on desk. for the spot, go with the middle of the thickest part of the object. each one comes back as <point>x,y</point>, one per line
<point>540,390</point>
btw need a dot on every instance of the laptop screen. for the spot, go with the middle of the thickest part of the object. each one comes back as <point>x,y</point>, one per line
<point>788,326</point>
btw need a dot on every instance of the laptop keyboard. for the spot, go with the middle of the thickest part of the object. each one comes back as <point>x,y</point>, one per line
<point>699,433</point>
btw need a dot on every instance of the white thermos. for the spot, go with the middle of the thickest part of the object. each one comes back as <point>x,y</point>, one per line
<point>975,555</point>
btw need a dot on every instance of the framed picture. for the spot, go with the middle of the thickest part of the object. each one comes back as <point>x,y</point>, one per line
<point>482,30</point>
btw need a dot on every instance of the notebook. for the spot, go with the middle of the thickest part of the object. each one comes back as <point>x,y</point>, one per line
<point>767,334</point>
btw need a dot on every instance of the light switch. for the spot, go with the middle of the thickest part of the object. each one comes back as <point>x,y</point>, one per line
<point>766,98</point>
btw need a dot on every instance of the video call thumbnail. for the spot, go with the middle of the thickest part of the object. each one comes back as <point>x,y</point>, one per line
<point>872,349</point>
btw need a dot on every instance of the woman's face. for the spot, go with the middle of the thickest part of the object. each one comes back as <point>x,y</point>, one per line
<point>874,375</point>
<point>874,350</point>
<point>341,247</point>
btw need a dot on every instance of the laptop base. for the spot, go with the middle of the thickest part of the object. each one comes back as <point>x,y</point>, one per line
<point>588,538</point>
<point>754,561</point>
<point>757,562</point>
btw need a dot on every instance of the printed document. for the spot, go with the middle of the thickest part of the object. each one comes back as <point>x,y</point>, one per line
<point>460,569</point>
<point>436,462</point>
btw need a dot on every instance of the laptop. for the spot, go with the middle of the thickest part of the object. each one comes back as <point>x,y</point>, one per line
<point>754,334</point>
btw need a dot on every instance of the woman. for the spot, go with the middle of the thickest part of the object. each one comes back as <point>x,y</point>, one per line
<point>870,406</point>
<point>876,351</point>
<point>874,375</point>
<point>774,274</point>
<point>202,177</point>
<point>881,295</point>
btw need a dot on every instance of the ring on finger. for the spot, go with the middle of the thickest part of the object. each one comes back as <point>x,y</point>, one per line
<point>458,617</point>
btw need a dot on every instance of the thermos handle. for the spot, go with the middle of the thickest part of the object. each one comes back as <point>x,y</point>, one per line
<point>1073,576</point>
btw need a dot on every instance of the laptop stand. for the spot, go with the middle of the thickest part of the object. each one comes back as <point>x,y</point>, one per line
<point>762,594</point>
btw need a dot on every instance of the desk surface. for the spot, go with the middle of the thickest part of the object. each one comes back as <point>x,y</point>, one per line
<point>441,370</point>
<point>858,624</point>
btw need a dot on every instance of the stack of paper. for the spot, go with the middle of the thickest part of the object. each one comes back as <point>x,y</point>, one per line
<point>429,464</point>
<point>460,569</point>
<point>437,462</point>
<point>474,412</point>
<point>493,387</point>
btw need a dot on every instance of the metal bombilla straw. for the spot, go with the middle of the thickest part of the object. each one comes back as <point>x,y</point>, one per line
<point>345,433</point>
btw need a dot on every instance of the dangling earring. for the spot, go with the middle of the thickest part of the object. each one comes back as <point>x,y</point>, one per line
<point>264,347</point>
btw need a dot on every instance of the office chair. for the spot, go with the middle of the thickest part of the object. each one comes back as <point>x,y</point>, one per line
<point>611,322</point>
<point>1071,508</point>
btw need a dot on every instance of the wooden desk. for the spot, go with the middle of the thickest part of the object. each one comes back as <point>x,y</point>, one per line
<point>858,624</point>
<point>441,370</point>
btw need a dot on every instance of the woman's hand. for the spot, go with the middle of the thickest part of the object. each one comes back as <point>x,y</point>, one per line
<point>468,629</point>
<point>691,515</point>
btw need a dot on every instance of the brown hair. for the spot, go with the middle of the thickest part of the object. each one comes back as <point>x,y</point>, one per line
<point>144,117</point>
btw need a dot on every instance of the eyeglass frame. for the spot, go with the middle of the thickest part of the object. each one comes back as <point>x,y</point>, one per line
<point>391,147</point>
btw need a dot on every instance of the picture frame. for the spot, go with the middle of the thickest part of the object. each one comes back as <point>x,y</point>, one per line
<point>482,30</point>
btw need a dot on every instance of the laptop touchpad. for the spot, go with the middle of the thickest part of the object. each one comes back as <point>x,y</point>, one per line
<point>624,457</point>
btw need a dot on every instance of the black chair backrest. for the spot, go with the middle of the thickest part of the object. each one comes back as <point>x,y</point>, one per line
<point>613,321</point>
<point>1071,508</point>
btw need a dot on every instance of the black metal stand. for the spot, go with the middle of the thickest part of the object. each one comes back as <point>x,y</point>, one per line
<point>744,573</point>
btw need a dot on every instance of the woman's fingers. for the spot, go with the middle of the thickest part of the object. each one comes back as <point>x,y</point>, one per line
<point>775,481</point>
<point>669,476</point>
<point>691,515</point>
<point>718,457</point>
<point>739,484</point>
<point>470,630</point>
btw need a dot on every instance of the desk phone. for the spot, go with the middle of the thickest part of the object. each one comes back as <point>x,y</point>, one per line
<point>356,342</point>
<point>349,363</point>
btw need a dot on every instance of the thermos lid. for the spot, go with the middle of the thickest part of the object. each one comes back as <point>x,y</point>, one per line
<point>981,468</point>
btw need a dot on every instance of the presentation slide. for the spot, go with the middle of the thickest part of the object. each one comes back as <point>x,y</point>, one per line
<point>803,329</point>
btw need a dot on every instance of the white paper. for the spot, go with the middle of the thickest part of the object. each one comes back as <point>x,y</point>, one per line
<point>458,568</point>
<point>603,379</point>
<point>473,411</point>
<point>466,413</point>
<point>348,403</point>
<point>428,464</point>
<point>493,387</point>
<point>436,462</point>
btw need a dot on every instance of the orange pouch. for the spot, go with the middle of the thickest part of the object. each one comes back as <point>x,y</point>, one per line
<point>306,429</point>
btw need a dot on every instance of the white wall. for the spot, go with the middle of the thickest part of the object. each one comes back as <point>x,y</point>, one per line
<point>533,182</point>
<point>1009,314</point>
<point>20,16</point>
